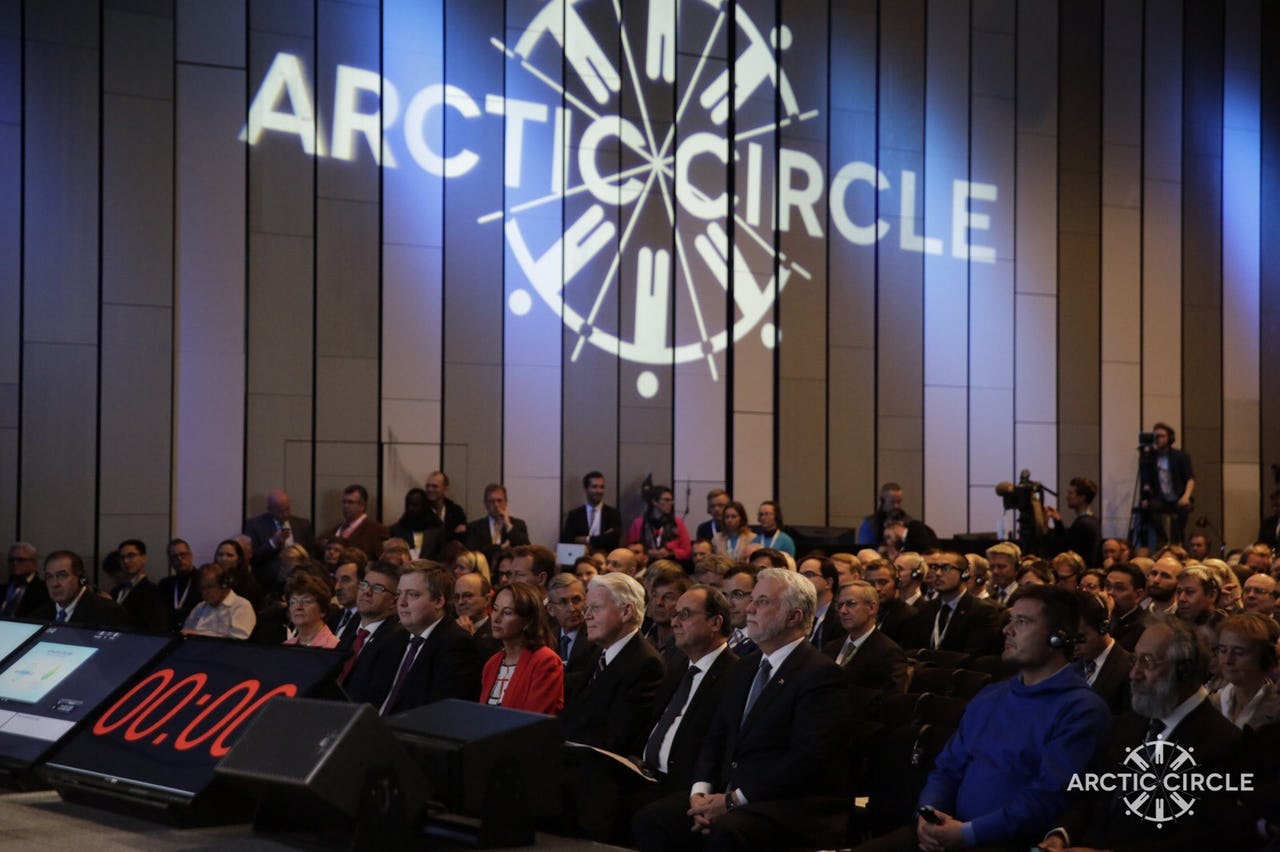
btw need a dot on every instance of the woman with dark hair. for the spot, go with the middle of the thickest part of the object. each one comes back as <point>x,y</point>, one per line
<point>308,598</point>
<point>418,526</point>
<point>663,535</point>
<point>734,534</point>
<point>527,673</point>
<point>771,534</point>
<point>230,555</point>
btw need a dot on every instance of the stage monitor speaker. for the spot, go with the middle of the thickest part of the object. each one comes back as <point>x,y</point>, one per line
<point>499,768</point>
<point>826,539</point>
<point>317,764</point>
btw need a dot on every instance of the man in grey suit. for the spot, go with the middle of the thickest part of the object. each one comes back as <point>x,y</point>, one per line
<point>870,659</point>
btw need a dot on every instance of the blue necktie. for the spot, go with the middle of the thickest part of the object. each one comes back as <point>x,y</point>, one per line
<point>62,616</point>
<point>757,686</point>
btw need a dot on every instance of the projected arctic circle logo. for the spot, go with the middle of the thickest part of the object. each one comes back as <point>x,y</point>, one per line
<point>657,170</point>
<point>1159,782</point>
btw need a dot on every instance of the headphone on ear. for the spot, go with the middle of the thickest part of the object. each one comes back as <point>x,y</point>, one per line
<point>964,572</point>
<point>83,581</point>
<point>917,574</point>
<point>980,581</point>
<point>1061,640</point>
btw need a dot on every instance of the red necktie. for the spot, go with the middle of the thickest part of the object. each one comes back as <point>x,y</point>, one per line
<point>361,635</point>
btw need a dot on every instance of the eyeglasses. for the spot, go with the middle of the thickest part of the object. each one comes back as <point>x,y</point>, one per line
<point>301,600</point>
<point>1148,662</point>
<point>740,594</point>
<point>366,586</point>
<point>849,604</point>
<point>686,614</point>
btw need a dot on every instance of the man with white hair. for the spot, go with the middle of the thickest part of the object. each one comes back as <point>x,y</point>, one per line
<point>613,707</point>
<point>780,720</point>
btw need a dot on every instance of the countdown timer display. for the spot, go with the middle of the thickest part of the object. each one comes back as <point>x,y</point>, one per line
<point>60,678</point>
<point>168,731</point>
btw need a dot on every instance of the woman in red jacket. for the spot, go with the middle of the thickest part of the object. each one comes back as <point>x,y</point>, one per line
<point>526,674</point>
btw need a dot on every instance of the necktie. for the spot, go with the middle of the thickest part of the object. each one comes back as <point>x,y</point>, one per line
<point>361,635</point>
<point>591,520</point>
<point>407,663</point>
<point>566,645</point>
<point>675,707</point>
<point>815,638</point>
<point>600,664</point>
<point>1000,596</point>
<point>344,621</point>
<point>1090,667</point>
<point>757,686</point>
<point>1154,730</point>
<point>16,589</point>
<point>846,652</point>
<point>62,616</point>
<point>944,616</point>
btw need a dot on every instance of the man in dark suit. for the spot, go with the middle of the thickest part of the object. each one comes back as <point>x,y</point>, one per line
<point>497,528</point>
<point>717,499</point>
<point>594,523</point>
<point>473,602</point>
<point>378,631</point>
<point>764,777</point>
<point>1127,585</point>
<point>737,586</point>
<point>344,619</point>
<point>566,596</point>
<point>1104,663</point>
<point>955,620</point>
<point>25,592</point>
<point>1084,536</point>
<point>357,529</point>
<point>452,517</point>
<point>613,708</point>
<point>894,617</point>
<point>71,601</point>
<point>686,700</point>
<point>136,593</point>
<point>273,531</point>
<point>1171,707</point>
<point>870,659</point>
<point>435,658</point>
<point>822,572</point>
<point>180,591</point>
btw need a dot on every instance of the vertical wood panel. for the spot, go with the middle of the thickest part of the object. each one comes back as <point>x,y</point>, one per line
<point>1202,254</point>
<point>1121,301</point>
<point>1241,152</point>
<point>60,282</point>
<point>10,260</point>
<point>851,360</point>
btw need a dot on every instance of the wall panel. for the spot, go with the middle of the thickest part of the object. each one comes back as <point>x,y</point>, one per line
<point>11,140</point>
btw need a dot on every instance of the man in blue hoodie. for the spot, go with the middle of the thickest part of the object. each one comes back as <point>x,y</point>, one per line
<point>1002,777</point>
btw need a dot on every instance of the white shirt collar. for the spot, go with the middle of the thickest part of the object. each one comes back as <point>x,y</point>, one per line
<point>71,607</point>
<point>1181,712</point>
<point>778,657</point>
<point>707,660</point>
<point>1100,660</point>
<point>613,650</point>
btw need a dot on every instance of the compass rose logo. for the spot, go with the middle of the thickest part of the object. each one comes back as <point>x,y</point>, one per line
<point>642,153</point>
<point>1156,799</point>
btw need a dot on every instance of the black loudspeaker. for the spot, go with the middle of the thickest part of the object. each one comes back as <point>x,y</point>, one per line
<point>826,539</point>
<point>496,770</point>
<point>316,765</point>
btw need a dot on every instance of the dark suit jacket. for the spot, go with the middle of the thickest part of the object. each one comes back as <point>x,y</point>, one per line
<point>780,754</point>
<point>368,537</point>
<point>1100,819</point>
<point>831,628</point>
<point>478,537</point>
<point>1267,531</point>
<point>1084,536</point>
<point>35,597</point>
<point>91,611</point>
<point>879,664</point>
<point>486,645</point>
<point>695,722</point>
<point>454,516</point>
<point>146,609</point>
<point>974,627</point>
<point>1112,682</point>
<point>363,683</point>
<point>1127,629</point>
<point>706,531</point>
<point>614,710</point>
<point>897,620</point>
<point>266,558</point>
<point>348,634</point>
<point>178,617</point>
<point>575,524</point>
<point>582,659</point>
<point>448,666</point>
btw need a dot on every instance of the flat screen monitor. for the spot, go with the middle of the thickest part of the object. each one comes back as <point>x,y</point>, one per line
<point>58,680</point>
<point>13,634</point>
<point>162,738</point>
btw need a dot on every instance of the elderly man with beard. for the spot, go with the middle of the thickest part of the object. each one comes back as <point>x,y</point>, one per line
<point>1170,705</point>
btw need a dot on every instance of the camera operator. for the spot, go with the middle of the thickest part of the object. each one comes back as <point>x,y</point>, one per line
<point>1167,485</point>
<point>1084,536</point>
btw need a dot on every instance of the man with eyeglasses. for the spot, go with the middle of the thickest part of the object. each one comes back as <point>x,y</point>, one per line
<point>870,659</point>
<point>566,597</point>
<point>473,602</point>
<point>1260,595</point>
<point>376,603</point>
<point>1127,586</point>
<point>738,583</point>
<point>895,617</point>
<point>137,593</point>
<point>24,593</point>
<point>221,612</point>
<point>956,620</point>
<point>1171,705</point>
